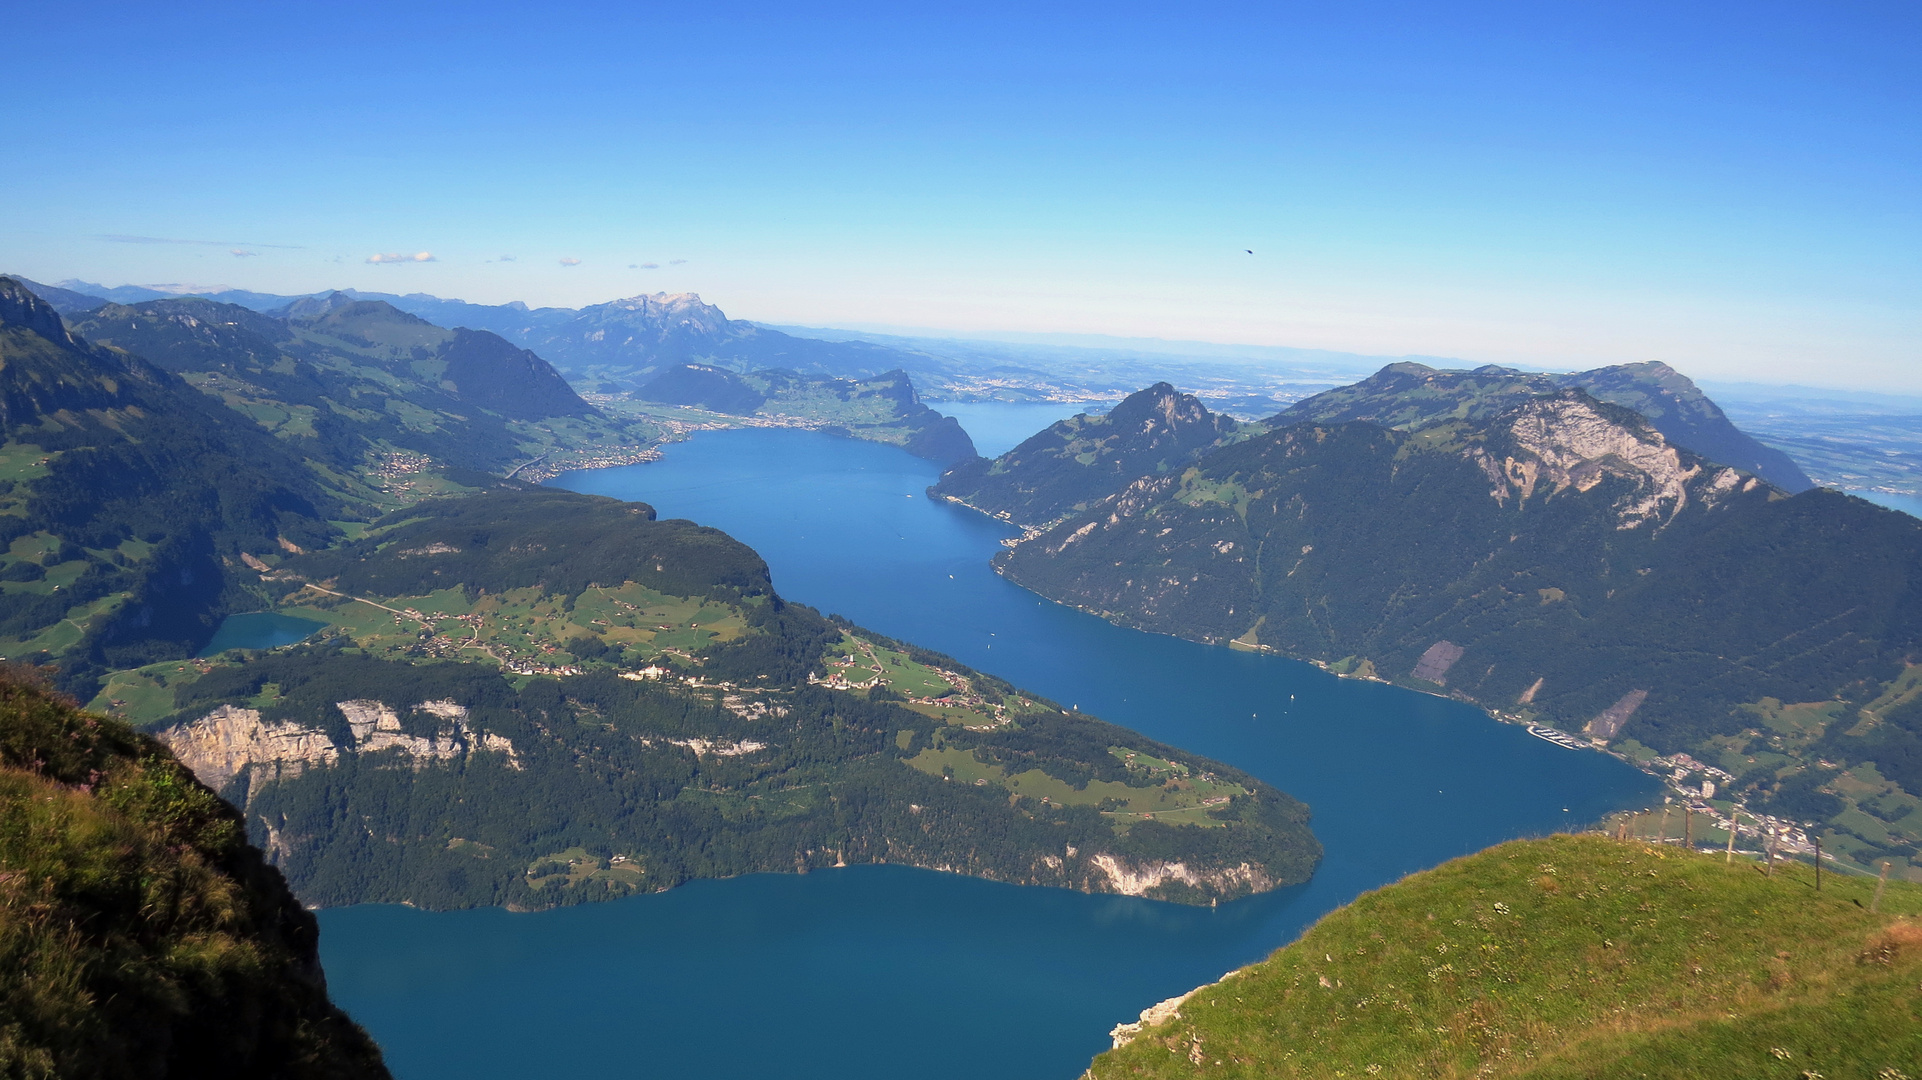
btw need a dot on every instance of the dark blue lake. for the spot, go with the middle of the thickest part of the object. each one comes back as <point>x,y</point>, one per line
<point>259,630</point>
<point>890,972</point>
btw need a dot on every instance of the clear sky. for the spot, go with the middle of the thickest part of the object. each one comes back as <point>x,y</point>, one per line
<point>1733,187</point>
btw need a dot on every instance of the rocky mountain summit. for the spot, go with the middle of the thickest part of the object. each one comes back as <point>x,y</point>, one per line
<point>1411,396</point>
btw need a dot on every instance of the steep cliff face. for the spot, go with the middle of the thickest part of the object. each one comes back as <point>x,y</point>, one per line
<point>143,937</point>
<point>1560,556</point>
<point>230,741</point>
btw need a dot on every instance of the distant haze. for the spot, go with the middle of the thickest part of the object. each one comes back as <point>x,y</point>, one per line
<point>1733,191</point>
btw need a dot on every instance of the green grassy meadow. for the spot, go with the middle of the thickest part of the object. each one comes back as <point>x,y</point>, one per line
<point>1572,956</point>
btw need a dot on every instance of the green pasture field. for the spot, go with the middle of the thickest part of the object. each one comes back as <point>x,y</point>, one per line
<point>581,868</point>
<point>894,669</point>
<point>966,716</point>
<point>23,462</point>
<point>63,634</point>
<point>522,623</point>
<point>1184,801</point>
<point>146,694</point>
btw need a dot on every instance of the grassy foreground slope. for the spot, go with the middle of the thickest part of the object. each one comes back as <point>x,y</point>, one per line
<point>140,935</point>
<point>1571,956</point>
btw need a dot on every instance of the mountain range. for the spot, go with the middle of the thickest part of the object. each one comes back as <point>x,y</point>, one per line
<point>527,697</point>
<point>705,727</point>
<point>1083,459</point>
<point>1532,548</point>
<point>352,377</point>
<point>128,495</point>
<point>606,347</point>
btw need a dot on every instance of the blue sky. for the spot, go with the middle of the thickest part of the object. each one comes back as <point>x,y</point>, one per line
<point>1734,188</point>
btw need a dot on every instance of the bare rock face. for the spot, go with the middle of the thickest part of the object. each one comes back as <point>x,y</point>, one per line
<point>1569,443</point>
<point>1137,879</point>
<point>231,740</point>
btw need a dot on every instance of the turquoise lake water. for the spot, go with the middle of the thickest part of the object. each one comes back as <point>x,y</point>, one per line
<point>259,630</point>
<point>1908,504</point>
<point>893,972</point>
<point>998,427</point>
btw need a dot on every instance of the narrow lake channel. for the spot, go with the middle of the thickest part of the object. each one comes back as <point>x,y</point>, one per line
<point>888,972</point>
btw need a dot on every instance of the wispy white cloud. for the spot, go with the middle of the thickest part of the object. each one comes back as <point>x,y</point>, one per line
<point>505,258</point>
<point>396,257</point>
<point>570,261</point>
<point>675,262</point>
<point>242,253</point>
<point>643,266</point>
<point>123,238</point>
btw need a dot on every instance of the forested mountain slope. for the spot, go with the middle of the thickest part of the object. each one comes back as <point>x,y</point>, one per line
<point>351,381</point>
<point>1559,560</point>
<point>1567,957</point>
<point>637,707</point>
<point>1079,461</point>
<point>143,937</point>
<point>1412,396</point>
<point>128,495</point>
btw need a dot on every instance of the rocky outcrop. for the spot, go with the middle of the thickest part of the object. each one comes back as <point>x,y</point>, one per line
<point>1569,442</point>
<point>1159,1013</point>
<point>231,741</point>
<point>1139,879</point>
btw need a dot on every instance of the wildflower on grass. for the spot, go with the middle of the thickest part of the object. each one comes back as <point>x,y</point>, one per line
<point>1501,908</point>
<point>1780,1054</point>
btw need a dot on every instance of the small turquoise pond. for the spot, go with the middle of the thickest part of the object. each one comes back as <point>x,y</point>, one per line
<point>259,630</point>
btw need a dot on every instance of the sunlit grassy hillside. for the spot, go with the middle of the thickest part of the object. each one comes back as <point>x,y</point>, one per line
<point>1572,956</point>
<point>140,936</point>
